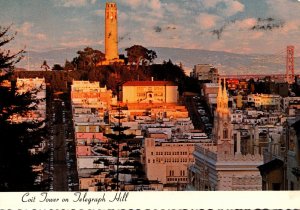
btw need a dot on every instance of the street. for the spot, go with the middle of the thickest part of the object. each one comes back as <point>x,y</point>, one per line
<point>59,156</point>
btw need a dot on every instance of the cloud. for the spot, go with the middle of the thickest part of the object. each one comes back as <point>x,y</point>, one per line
<point>207,21</point>
<point>224,7</point>
<point>134,4</point>
<point>245,23</point>
<point>154,4</point>
<point>256,35</point>
<point>292,25</point>
<point>78,43</point>
<point>209,3</point>
<point>286,10</point>
<point>122,16</point>
<point>75,20</point>
<point>27,30</point>
<point>41,36</point>
<point>233,7</point>
<point>74,3</point>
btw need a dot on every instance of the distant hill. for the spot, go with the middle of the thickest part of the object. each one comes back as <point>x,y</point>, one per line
<point>227,63</point>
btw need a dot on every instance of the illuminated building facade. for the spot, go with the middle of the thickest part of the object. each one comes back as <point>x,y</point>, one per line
<point>150,92</point>
<point>223,166</point>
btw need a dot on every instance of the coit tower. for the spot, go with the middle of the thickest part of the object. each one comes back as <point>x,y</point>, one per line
<point>111,31</point>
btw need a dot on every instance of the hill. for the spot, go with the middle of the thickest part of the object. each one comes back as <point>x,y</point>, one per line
<point>227,63</point>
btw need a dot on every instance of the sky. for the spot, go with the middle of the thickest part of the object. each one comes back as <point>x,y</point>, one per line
<point>239,26</point>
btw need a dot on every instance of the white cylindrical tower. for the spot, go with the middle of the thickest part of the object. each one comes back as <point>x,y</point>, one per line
<point>111,31</point>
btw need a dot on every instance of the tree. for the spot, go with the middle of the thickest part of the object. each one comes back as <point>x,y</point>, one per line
<point>69,66</point>
<point>88,59</point>
<point>117,137</point>
<point>57,67</point>
<point>8,60</point>
<point>15,138</point>
<point>138,53</point>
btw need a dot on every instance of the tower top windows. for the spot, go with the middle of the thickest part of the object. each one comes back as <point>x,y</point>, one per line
<point>114,5</point>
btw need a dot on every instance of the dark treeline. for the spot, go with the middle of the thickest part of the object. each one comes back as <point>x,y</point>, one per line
<point>16,139</point>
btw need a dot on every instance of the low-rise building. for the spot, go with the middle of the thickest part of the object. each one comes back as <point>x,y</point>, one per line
<point>267,101</point>
<point>168,161</point>
<point>149,92</point>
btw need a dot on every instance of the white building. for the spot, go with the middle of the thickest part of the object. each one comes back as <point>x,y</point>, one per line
<point>166,161</point>
<point>223,166</point>
<point>150,92</point>
<point>265,100</point>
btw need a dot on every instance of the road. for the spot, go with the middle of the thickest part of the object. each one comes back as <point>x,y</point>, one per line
<point>59,163</point>
<point>193,113</point>
<point>194,104</point>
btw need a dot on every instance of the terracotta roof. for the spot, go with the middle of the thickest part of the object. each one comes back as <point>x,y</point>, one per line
<point>149,83</point>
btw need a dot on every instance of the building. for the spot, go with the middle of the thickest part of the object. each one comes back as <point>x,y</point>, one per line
<point>233,84</point>
<point>168,161</point>
<point>39,86</point>
<point>223,166</point>
<point>210,88</point>
<point>111,35</point>
<point>90,94</point>
<point>290,103</point>
<point>293,157</point>
<point>272,175</point>
<point>265,101</point>
<point>111,31</point>
<point>205,72</point>
<point>150,92</point>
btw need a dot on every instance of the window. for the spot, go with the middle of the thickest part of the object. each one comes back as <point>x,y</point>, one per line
<point>225,133</point>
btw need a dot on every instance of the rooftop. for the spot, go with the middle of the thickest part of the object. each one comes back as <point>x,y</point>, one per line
<point>149,83</point>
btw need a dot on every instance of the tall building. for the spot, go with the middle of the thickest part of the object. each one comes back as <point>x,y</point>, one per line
<point>205,72</point>
<point>223,166</point>
<point>111,35</point>
<point>111,31</point>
